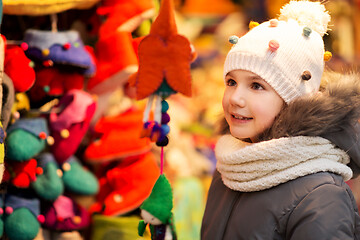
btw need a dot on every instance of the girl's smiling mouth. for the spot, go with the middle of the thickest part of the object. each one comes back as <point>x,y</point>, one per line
<point>239,117</point>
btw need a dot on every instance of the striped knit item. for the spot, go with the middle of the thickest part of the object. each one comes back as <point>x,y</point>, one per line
<point>254,167</point>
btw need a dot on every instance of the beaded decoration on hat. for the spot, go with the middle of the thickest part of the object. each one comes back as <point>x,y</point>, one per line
<point>288,52</point>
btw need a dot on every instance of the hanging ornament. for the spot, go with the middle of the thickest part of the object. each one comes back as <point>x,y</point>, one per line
<point>164,69</point>
<point>156,212</point>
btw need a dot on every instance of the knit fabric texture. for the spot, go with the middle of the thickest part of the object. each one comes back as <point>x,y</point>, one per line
<point>281,51</point>
<point>254,167</point>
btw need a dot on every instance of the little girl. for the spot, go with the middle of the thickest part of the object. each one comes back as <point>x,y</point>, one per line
<point>292,144</point>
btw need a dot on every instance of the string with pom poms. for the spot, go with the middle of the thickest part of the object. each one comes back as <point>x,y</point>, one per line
<point>164,69</point>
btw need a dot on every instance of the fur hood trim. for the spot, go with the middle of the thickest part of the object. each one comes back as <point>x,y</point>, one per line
<point>335,108</point>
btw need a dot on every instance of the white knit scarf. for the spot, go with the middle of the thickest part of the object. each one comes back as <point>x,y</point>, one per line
<point>253,167</point>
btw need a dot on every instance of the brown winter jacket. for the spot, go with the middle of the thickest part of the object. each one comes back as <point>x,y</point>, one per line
<point>318,206</point>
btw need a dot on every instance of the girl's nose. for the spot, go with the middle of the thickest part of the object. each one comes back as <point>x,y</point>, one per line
<point>238,98</point>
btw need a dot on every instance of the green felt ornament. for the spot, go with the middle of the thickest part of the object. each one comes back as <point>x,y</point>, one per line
<point>156,211</point>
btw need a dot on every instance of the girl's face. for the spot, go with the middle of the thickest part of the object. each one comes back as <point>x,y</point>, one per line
<point>250,104</point>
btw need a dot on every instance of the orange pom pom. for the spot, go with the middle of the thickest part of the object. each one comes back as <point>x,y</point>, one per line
<point>45,52</point>
<point>42,135</point>
<point>39,171</point>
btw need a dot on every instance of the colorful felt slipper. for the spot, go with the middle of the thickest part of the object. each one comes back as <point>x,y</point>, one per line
<point>20,174</point>
<point>126,186</point>
<point>120,138</point>
<point>116,60</point>
<point>62,48</point>
<point>77,179</point>
<point>22,217</point>
<point>69,121</point>
<point>19,68</point>
<point>65,215</point>
<point>48,184</point>
<point>26,138</point>
<point>53,82</point>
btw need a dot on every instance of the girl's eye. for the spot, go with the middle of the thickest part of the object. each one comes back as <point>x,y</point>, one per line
<point>257,86</point>
<point>230,82</point>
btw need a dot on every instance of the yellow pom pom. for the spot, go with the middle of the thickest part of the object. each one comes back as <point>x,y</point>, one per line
<point>50,140</point>
<point>118,198</point>
<point>253,24</point>
<point>66,167</point>
<point>59,173</point>
<point>327,56</point>
<point>76,219</point>
<point>65,133</point>
<point>45,52</point>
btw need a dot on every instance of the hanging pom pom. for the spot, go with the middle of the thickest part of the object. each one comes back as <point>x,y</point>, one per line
<point>146,130</point>
<point>165,118</point>
<point>306,13</point>
<point>164,106</point>
<point>162,142</point>
<point>155,132</point>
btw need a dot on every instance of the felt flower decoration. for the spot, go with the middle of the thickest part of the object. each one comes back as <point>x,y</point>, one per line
<point>164,69</point>
<point>164,58</point>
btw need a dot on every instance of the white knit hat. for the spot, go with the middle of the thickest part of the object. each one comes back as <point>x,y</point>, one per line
<point>287,53</point>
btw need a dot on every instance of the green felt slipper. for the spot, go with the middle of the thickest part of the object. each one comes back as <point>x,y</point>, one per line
<point>22,219</point>
<point>77,179</point>
<point>26,138</point>
<point>48,185</point>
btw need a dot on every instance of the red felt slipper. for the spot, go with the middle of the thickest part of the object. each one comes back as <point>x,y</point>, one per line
<point>120,138</point>
<point>52,82</point>
<point>126,186</point>
<point>69,121</point>
<point>21,174</point>
<point>124,15</point>
<point>19,68</point>
<point>116,60</point>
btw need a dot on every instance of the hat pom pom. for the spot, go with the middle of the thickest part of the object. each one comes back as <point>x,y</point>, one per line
<point>306,13</point>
